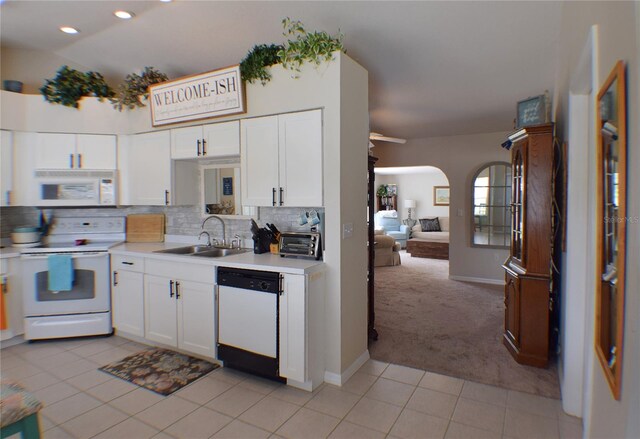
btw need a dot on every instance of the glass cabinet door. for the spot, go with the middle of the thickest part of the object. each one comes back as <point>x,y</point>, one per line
<point>517,204</point>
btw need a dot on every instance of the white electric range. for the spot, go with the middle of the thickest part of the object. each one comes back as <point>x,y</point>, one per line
<point>85,309</point>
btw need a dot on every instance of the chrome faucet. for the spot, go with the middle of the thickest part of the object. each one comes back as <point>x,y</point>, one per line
<point>224,233</point>
<point>204,232</point>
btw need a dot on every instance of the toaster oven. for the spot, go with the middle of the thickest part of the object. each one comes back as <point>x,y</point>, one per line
<point>304,244</point>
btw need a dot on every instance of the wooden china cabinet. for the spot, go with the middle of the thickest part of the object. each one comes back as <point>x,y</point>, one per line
<point>529,299</point>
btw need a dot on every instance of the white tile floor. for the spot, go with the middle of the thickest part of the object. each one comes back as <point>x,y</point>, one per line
<point>379,401</point>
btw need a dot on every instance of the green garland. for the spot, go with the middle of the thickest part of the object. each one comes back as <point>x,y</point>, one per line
<point>71,85</point>
<point>135,89</point>
<point>253,66</point>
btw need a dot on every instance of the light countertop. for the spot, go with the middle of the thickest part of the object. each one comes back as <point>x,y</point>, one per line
<point>248,260</point>
<point>9,252</point>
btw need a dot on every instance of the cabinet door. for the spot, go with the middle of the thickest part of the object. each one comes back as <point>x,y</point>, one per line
<point>160,323</point>
<point>56,151</point>
<point>221,139</point>
<point>196,317</point>
<point>24,185</point>
<point>95,151</point>
<point>6,170</point>
<point>512,309</point>
<point>127,299</point>
<point>259,160</point>
<point>292,326</point>
<point>149,169</point>
<point>186,143</point>
<point>300,137</point>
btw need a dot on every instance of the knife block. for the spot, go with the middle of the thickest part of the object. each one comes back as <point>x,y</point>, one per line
<point>262,244</point>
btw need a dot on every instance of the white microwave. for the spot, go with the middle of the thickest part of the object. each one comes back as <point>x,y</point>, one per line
<point>75,188</point>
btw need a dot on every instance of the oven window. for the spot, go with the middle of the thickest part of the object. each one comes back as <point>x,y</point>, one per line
<point>84,287</point>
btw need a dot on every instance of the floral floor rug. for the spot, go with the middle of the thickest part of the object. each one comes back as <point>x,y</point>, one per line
<point>159,370</point>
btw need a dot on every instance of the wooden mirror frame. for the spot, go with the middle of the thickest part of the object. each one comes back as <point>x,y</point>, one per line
<point>611,363</point>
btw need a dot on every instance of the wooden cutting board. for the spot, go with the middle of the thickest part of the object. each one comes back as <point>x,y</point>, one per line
<point>145,227</point>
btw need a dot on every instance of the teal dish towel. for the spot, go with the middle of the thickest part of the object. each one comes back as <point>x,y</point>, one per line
<point>60,272</point>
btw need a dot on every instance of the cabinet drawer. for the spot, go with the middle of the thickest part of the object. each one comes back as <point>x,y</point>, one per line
<point>129,263</point>
<point>185,271</point>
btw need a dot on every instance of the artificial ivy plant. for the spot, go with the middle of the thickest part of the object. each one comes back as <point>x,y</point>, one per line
<point>303,46</point>
<point>253,66</point>
<point>71,85</point>
<point>135,89</point>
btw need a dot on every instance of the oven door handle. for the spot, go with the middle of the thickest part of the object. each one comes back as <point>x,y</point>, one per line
<point>73,255</point>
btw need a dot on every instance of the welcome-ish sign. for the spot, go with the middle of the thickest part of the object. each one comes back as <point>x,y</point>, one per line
<point>207,95</point>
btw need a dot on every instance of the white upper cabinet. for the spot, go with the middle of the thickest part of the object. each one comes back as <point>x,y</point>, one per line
<point>282,160</point>
<point>144,161</point>
<point>6,167</point>
<point>214,140</point>
<point>259,161</point>
<point>75,151</point>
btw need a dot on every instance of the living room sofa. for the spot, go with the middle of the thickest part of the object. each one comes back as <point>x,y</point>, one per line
<point>430,244</point>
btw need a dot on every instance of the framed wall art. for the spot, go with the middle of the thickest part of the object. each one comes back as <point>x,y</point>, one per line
<point>441,195</point>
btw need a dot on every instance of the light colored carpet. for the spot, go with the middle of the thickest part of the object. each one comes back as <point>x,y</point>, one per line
<point>427,321</point>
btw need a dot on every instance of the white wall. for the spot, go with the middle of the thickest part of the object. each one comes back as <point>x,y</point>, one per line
<point>618,24</point>
<point>459,157</point>
<point>417,187</point>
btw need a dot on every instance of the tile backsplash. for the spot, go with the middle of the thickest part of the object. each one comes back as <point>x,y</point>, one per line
<point>180,220</point>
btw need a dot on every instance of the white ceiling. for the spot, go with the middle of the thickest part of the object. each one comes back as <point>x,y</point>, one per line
<point>406,170</point>
<point>435,68</point>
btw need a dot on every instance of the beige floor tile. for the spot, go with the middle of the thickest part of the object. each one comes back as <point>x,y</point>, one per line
<point>70,407</point>
<point>134,347</point>
<point>200,424</point>
<point>293,395</point>
<point>94,421</point>
<point>333,401</point>
<point>432,403</point>
<point>117,340</point>
<point>163,435</point>
<point>89,379</point>
<point>373,367</point>
<point>359,383</point>
<point>441,383</point>
<point>235,401</point>
<point>391,391</point>
<point>39,381</point>
<point>136,401</point>
<point>90,349</point>
<point>20,372</point>
<point>55,393</point>
<point>534,404</point>
<point>9,361</point>
<point>129,428</point>
<point>348,430</point>
<point>484,393</point>
<point>570,430</point>
<point>57,433</point>
<point>75,368</point>
<point>112,389</point>
<point>39,353</point>
<point>461,431</point>
<point>45,423</point>
<point>229,375</point>
<point>521,425</point>
<point>416,425</point>
<point>270,413</point>
<point>203,390</point>
<point>479,414</point>
<point>564,417</point>
<point>308,424</point>
<point>109,356</point>
<point>241,430</point>
<point>374,414</point>
<point>260,385</point>
<point>166,412</point>
<point>60,359</point>
<point>407,375</point>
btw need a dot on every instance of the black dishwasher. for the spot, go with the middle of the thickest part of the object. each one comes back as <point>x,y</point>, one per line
<point>248,320</point>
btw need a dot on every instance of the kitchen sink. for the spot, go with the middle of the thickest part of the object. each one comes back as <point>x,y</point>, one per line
<point>219,252</point>
<point>203,250</point>
<point>191,249</point>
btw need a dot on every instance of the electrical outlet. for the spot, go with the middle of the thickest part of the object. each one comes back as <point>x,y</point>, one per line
<point>347,230</point>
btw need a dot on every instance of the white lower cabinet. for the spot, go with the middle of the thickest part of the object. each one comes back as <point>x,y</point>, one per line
<point>160,323</point>
<point>127,302</point>
<point>11,289</point>
<point>301,327</point>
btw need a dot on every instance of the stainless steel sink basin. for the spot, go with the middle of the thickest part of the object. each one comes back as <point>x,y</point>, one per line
<point>220,252</point>
<point>203,250</point>
<point>191,249</point>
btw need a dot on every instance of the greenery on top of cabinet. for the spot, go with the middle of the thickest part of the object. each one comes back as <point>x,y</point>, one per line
<point>135,89</point>
<point>71,85</point>
<point>253,65</point>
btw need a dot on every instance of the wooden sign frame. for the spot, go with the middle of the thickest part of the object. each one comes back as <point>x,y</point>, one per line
<point>207,95</point>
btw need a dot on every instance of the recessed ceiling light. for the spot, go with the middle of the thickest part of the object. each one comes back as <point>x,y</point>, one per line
<point>125,15</point>
<point>69,30</point>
